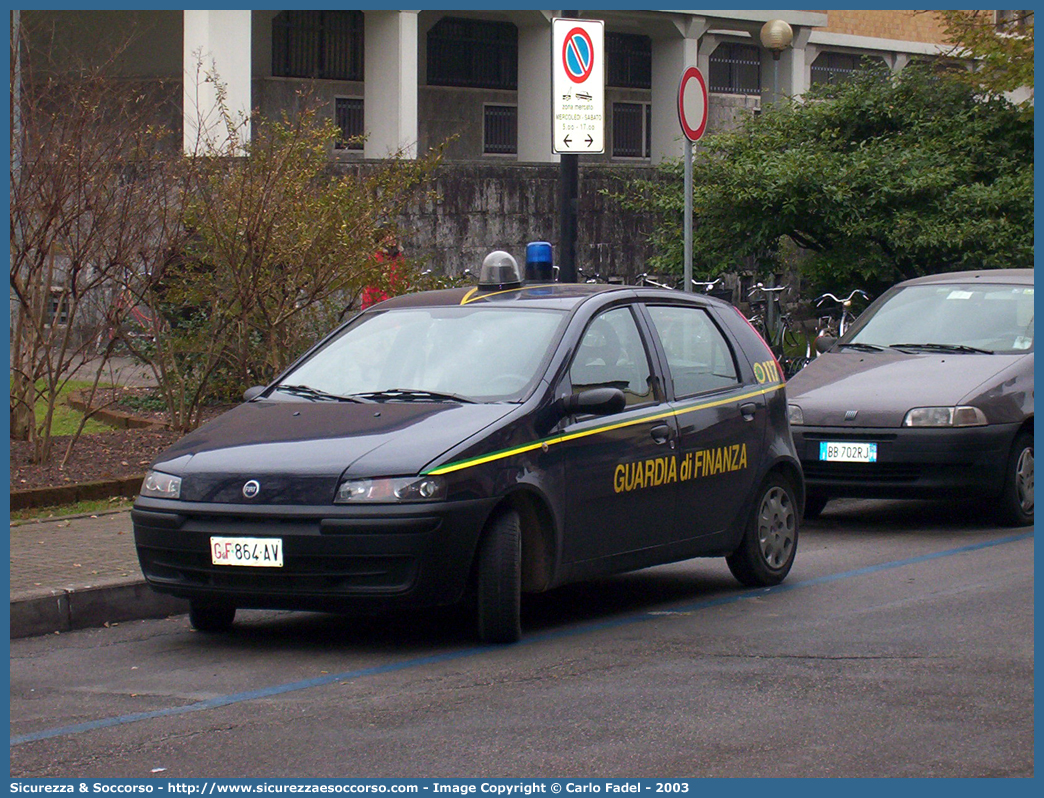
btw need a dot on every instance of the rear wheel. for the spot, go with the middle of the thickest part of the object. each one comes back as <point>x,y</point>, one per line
<point>211,617</point>
<point>499,580</point>
<point>766,553</point>
<point>1016,502</point>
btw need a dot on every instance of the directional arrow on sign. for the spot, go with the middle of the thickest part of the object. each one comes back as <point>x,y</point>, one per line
<point>590,140</point>
<point>567,140</point>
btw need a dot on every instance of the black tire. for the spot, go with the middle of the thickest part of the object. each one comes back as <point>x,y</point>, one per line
<point>1016,500</point>
<point>211,617</point>
<point>814,504</point>
<point>766,553</point>
<point>498,589</point>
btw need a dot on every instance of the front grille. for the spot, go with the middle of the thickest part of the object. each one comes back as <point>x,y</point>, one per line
<point>868,436</point>
<point>862,472</point>
<point>325,574</point>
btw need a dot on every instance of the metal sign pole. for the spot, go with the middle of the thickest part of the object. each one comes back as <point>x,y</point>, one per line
<point>688,216</point>
<point>692,114</point>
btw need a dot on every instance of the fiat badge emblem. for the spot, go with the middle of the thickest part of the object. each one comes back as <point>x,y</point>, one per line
<point>251,489</point>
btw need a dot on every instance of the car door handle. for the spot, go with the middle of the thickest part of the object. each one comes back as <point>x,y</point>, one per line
<point>661,433</point>
<point>747,409</point>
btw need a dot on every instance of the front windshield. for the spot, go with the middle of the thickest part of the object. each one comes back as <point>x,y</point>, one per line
<point>479,354</point>
<point>989,317</point>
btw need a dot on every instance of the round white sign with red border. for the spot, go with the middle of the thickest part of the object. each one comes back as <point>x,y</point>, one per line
<point>692,104</point>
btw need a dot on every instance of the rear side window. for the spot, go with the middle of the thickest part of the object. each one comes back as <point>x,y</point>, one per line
<point>611,355</point>
<point>698,356</point>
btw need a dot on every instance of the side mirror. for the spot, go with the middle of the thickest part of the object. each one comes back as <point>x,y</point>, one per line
<point>824,342</point>
<point>253,393</point>
<point>596,401</point>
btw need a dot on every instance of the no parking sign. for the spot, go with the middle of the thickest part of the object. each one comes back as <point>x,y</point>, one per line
<point>577,85</point>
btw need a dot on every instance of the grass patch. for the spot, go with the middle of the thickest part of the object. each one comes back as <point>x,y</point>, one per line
<point>65,419</point>
<point>92,507</point>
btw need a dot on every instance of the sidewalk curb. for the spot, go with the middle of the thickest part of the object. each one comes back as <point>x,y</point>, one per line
<point>112,601</point>
<point>127,487</point>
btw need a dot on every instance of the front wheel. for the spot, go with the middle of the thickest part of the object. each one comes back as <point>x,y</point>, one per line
<point>1016,502</point>
<point>766,552</point>
<point>499,580</point>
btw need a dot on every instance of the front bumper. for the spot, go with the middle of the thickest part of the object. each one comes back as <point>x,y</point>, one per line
<point>911,462</point>
<point>335,558</point>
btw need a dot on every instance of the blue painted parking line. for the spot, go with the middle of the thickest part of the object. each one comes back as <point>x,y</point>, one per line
<point>291,687</point>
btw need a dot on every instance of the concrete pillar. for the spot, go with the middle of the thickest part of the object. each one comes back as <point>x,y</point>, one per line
<point>671,56</point>
<point>534,93</point>
<point>788,76</point>
<point>797,73</point>
<point>216,45</point>
<point>390,96</point>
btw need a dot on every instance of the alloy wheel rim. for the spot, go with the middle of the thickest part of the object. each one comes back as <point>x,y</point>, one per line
<point>1024,480</point>
<point>777,527</point>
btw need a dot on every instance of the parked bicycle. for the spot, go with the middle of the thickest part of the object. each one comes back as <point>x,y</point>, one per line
<point>838,319</point>
<point>785,338</point>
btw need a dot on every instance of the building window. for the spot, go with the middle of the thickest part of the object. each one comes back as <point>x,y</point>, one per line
<point>318,44</point>
<point>500,130</point>
<point>1014,21</point>
<point>473,52</point>
<point>628,60</point>
<point>631,125</point>
<point>349,118</point>
<point>58,306</point>
<point>836,67</point>
<point>735,69</point>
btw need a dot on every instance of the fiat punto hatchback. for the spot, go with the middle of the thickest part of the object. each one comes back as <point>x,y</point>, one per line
<point>928,395</point>
<point>474,444</point>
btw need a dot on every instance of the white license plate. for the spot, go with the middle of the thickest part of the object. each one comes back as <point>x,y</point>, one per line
<point>257,552</point>
<point>847,452</point>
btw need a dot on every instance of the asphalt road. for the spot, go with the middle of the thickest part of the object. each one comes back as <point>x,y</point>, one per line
<point>901,645</point>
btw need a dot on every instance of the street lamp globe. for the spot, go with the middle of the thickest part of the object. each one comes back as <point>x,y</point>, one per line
<point>776,35</point>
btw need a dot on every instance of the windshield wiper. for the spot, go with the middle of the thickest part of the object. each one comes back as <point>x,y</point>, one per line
<point>411,395</point>
<point>861,347</point>
<point>958,348</point>
<point>316,395</point>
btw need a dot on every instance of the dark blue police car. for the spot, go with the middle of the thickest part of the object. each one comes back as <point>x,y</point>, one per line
<point>479,443</point>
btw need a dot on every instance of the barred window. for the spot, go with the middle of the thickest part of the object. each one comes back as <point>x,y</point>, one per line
<point>58,306</point>
<point>836,67</point>
<point>473,52</point>
<point>631,126</point>
<point>628,60</point>
<point>735,69</point>
<point>500,130</point>
<point>318,44</point>
<point>349,118</point>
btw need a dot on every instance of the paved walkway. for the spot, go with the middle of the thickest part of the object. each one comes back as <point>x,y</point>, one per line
<point>78,572</point>
<point>82,571</point>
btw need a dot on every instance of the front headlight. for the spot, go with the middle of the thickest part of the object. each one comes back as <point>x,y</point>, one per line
<point>961,416</point>
<point>797,418</point>
<point>161,486</point>
<point>391,489</point>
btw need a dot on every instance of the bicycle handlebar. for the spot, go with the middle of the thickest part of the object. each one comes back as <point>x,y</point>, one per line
<point>645,279</point>
<point>779,289</point>
<point>846,301</point>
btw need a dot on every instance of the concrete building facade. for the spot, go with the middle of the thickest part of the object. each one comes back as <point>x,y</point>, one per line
<point>406,81</point>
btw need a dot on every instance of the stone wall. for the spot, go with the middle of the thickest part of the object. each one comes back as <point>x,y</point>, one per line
<point>477,208</point>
